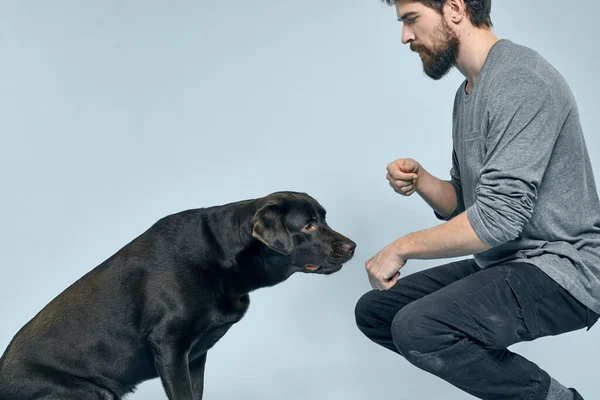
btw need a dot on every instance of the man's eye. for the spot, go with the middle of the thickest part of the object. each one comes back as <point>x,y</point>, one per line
<point>410,21</point>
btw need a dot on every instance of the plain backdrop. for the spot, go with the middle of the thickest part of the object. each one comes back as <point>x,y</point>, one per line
<point>115,113</point>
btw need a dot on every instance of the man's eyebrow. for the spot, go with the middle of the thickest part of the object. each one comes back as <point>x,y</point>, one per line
<point>407,15</point>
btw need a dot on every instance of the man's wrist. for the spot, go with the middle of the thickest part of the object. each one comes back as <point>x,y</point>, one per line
<point>402,248</point>
<point>421,173</point>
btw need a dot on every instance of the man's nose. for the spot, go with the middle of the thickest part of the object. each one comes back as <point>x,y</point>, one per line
<point>407,35</point>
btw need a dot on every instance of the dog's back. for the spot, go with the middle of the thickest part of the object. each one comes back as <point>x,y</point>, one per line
<point>91,341</point>
<point>55,347</point>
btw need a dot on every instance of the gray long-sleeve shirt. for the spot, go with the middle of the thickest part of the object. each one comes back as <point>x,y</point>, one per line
<point>522,172</point>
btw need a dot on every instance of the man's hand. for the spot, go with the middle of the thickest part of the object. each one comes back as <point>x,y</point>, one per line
<point>383,269</point>
<point>403,175</point>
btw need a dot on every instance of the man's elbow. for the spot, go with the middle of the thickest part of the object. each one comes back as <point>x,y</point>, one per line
<point>498,221</point>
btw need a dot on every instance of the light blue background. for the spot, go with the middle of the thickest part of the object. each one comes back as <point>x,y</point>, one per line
<point>116,113</point>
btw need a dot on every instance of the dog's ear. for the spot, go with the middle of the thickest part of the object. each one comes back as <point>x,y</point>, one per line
<point>268,227</point>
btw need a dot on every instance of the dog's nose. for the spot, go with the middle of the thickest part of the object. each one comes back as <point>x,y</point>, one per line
<point>349,247</point>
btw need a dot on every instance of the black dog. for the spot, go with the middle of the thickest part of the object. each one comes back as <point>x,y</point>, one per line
<point>161,302</point>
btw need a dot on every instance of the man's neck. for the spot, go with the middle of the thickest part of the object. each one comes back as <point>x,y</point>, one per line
<point>474,48</point>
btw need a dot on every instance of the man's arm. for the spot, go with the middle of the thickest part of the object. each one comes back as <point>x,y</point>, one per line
<point>439,194</point>
<point>454,238</point>
<point>525,120</point>
<point>407,176</point>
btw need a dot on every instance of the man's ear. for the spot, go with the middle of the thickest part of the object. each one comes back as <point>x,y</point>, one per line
<point>455,10</point>
<point>268,227</point>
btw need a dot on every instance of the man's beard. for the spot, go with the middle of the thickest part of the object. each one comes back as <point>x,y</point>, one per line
<point>439,60</point>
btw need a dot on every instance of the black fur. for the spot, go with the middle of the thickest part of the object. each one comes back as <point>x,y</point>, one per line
<point>160,303</point>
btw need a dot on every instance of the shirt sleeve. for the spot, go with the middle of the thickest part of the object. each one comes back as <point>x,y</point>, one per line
<point>523,126</point>
<point>455,182</point>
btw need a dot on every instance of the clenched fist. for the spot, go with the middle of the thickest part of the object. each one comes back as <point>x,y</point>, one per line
<point>403,175</point>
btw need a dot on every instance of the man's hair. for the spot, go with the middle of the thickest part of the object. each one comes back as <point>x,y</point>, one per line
<point>478,10</point>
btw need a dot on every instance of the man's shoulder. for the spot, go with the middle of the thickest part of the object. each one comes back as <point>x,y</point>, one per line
<point>509,50</point>
<point>508,58</point>
<point>518,68</point>
<point>506,63</point>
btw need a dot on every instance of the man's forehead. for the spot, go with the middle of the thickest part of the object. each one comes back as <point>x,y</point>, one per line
<point>404,7</point>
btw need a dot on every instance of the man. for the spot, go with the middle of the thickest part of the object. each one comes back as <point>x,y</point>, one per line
<point>521,199</point>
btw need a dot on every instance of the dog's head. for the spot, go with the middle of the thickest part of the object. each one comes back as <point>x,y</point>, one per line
<point>293,225</point>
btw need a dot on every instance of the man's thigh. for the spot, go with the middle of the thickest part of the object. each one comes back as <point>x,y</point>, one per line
<point>380,307</point>
<point>503,305</point>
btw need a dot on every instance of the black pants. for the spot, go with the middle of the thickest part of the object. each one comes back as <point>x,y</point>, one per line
<point>457,320</point>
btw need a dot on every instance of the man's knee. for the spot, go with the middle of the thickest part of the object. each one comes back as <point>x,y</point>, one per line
<point>417,339</point>
<point>416,331</point>
<point>364,311</point>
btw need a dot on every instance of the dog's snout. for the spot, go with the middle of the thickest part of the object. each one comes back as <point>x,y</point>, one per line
<point>349,247</point>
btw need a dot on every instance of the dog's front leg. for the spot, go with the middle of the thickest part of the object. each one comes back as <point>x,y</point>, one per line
<point>173,369</point>
<point>197,374</point>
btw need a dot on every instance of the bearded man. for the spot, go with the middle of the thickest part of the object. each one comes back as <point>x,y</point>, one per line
<point>521,199</point>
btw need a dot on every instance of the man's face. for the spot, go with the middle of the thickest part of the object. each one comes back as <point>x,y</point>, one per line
<point>429,35</point>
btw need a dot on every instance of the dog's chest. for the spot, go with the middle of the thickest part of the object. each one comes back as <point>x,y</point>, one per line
<point>232,308</point>
<point>208,339</point>
<point>228,311</point>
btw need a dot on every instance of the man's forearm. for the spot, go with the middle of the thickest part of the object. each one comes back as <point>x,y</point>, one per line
<point>454,238</point>
<point>439,194</point>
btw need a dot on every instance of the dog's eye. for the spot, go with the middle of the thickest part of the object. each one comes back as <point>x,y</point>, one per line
<point>309,227</point>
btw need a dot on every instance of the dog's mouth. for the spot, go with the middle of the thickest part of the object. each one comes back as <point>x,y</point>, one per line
<point>323,269</point>
<point>332,263</point>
